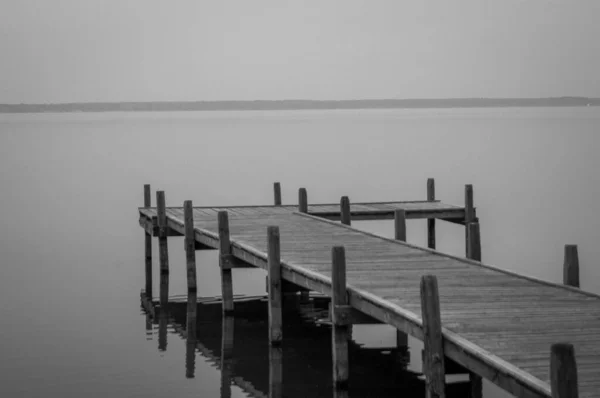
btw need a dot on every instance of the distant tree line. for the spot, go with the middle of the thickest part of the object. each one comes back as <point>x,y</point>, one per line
<point>298,104</point>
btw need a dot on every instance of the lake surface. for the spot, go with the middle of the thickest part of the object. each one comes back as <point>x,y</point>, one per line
<point>72,252</point>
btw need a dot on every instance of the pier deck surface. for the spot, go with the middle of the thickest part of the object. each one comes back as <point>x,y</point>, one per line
<point>497,324</point>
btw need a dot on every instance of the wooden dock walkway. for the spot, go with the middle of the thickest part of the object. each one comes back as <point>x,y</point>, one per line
<point>497,324</point>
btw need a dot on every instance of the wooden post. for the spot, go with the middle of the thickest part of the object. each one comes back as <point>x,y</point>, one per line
<point>225,262</point>
<point>275,372</point>
<point>571,266</point>
<point>163,249</point>
<point>431,221</point>
<point>192,304</point>
<point>345,210</point>
<point>340,330</point>
<point>190,245</point>
<point>400,234</point>
<point>274,265</point>
<point>563,371</point>
<point>473,241</point>
<point>400,225</point>
<point>302,201</point>
<point>148,246</point>
<point>432,338</point>
<point>227,355</point>
<point>277,193</point>
<point>469,213</point>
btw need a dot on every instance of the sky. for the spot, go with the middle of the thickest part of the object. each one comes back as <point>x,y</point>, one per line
<point>185,50</point>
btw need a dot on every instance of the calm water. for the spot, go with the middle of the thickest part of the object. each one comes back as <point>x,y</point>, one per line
<point>71,249</point>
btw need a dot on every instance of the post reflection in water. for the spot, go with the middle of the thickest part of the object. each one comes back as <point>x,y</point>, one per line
<point>275,372</point>
<point>240,347</point>
<point>163,322</point>
<point>227,355</point>
<point>190,347</point>
<point>149,331</point>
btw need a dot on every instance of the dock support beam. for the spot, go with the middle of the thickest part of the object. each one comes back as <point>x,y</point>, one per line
<point>345,210</point>
<point>148,246</point>
<point>340,328</point>
<point>277,193</point>
<point>571,266</point>
<point>432,338</point>
<point>225,262</point>
<point>563,371</point>
<point>274,269</point>
<point>163,249</point>
<point>400,234</point>
<point>302,201</point>
<point>431,221</point>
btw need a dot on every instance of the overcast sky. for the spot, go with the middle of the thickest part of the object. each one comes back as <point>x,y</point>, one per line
<point>139,50</point>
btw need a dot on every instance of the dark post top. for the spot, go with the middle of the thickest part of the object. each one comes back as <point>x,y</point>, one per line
<point>469,204</point>
<point>345,210</point>
<point>161,209</point>
<point>277,193</point>
<point>430,189</point>
<point>147,196</point>
<point>571,266</point>
<point>302,201</point>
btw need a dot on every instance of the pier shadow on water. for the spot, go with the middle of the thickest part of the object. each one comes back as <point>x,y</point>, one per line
<point>301,367</point>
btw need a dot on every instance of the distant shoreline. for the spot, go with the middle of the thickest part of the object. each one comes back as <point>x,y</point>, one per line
<point>166,106</point>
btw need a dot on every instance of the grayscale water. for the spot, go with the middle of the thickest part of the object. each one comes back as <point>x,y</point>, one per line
<point>71,249</point>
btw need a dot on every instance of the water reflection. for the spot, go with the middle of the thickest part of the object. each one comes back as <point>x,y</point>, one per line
<point>301,366</point>
<point>190,345</point>
<point>275,372</point>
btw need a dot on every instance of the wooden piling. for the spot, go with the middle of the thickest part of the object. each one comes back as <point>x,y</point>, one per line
<point>277,193</point>
<point>190,245</point>
<point>400,234</point>
<point>571,266</point>
<point>274,269</point>
<point>192,305</point>
<point>400,225</point>
<point>302,200</point>
<point>431,221</point>
<point>163,249</point>
<point>148,245</point>
<point>340,330</point>
<point>432,338</point>
<point>469,213</point>
<point>473,241</point>
<point>225,262</point>
<point>345,210</point>
<point>563,371</point>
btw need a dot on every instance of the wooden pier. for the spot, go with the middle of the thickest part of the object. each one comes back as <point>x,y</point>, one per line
<point>519,332</point>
